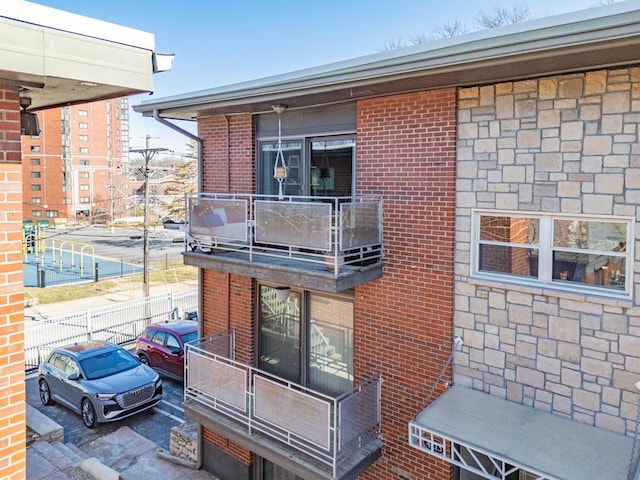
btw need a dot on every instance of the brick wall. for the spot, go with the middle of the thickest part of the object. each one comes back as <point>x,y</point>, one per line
<point>403,322</point>
<point>228,167</point>
<point>12,398</point>
<point>564,144</point>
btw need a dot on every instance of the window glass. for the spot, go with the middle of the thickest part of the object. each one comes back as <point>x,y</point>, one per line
<point>292,154</point>
<point>189,337</point>
<point>172,341</point>
<point>159,337</point>
<point>575,252</point>
<point>35,161</point>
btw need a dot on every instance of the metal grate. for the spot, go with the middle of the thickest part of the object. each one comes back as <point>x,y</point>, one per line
<point>136,397</point>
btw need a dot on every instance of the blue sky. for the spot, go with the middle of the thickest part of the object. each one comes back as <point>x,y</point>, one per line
<point>222,42</point>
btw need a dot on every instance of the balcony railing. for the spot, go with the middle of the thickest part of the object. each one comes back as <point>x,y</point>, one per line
<point>330,233</point>
<point>332,431</point>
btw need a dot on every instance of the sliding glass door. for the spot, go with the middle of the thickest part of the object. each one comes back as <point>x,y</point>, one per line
<point>321,166</point>
<point>307,339</point>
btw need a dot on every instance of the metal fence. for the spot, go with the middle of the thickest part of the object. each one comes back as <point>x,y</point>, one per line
<point>120,323</point>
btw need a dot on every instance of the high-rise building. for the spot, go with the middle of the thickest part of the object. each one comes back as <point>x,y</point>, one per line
<point>72,171</point>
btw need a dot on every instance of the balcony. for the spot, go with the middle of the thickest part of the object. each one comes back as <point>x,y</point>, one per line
<point>315,436</point>
<point>324,243</point>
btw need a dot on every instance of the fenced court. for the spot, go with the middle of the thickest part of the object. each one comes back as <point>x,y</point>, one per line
<point>49,262</point>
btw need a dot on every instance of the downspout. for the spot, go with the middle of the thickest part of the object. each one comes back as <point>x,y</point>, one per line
<point>200,142</point>
<point>226,119</point>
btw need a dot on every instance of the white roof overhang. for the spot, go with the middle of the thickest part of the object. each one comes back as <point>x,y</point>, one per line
<point>59,58</point>
<point>492,437</point>
<point>590,39</point>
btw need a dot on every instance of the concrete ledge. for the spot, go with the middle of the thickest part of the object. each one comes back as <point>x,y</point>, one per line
<point>99,471</point>
<point>163,454</point>
<point>45,428</point>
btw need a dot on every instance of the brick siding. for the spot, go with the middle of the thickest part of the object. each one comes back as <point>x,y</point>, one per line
<point>12,398</point>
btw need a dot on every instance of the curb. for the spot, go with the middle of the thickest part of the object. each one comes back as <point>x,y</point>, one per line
<point>99,470</point>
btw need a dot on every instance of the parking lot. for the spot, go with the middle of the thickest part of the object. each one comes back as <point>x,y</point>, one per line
<point>155,425</point>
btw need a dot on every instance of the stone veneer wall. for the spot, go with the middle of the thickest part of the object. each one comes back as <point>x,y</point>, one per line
<point>560,144</point>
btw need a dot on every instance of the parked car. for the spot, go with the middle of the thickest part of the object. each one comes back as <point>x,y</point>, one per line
<point>162,346</point>
<point>99,380</point>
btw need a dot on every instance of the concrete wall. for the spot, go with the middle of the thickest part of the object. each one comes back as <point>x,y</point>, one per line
<point>565,144</point>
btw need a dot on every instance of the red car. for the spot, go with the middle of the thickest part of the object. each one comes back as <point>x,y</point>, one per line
<point>162,346</point>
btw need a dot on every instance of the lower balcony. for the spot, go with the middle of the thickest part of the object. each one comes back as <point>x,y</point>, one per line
<point>323,243</point>
<point>313,435</point>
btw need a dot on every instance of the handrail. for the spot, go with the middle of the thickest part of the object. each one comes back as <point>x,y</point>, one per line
<point>326,428</point>
<point>331,232</point>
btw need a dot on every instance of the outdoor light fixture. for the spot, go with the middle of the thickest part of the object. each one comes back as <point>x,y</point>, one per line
<point>280,167</point>
<point>282,293</point>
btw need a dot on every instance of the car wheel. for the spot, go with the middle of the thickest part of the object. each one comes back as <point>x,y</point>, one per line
<point>88,414</point>
<point>45,393</point>
<point>144,359</point>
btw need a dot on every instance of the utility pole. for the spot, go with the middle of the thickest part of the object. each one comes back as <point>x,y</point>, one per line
<point>148,154</point>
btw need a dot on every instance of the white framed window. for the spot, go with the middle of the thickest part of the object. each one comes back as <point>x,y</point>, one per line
<point>83,113</point>
<point>37,200</point>
<point>52,213</point>
<point>83,174</point>
<point>84,187</point>
<point>83,125</point>
<point>36,213</point>
<point>85,200</point>
<point>84,150</point>
<point>579,253</point>
<point>83,138</point>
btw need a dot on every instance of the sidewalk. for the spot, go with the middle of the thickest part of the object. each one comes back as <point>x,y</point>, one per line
<point>41,312</point>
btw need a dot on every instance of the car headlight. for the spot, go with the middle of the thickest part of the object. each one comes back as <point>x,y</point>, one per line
<point>105,396</point>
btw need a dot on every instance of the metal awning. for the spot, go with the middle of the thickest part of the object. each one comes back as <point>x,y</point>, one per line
<point>493,437</point>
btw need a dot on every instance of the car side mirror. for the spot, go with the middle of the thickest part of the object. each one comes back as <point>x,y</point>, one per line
<point>176,351</point>
<point>73,376</point>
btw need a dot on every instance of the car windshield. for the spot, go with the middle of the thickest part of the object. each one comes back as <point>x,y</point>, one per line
<point>108,363</point>
<point>189,337</point>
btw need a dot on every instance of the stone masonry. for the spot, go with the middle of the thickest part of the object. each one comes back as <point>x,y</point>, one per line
<point>564,144</point>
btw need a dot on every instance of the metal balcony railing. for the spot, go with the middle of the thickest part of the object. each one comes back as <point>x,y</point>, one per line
<point>332,232</point>
<point>330,430</point>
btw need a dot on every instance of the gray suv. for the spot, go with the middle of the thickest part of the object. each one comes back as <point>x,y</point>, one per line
<point>99,380</point>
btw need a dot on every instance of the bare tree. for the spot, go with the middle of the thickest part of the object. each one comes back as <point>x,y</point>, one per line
<point>448,30</point>
<point>500,16</point>
<point>497,17</point>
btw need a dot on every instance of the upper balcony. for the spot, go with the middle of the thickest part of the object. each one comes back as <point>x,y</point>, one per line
<point>311,434</point>
<point>323,243</point>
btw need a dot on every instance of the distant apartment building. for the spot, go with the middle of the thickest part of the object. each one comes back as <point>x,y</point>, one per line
<point>72,171</point>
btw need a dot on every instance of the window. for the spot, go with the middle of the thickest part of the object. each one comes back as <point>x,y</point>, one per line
<point>323,168</point>
<point>66,200</point>
<point>576,253</point>
<point>35,148</point>
<point>83,138</point>
<point>84,163</point>
<point>85,200</point>
<point>52,213</point>
<point>36,200</point>
<point>84,187</point>
<point>35,161</point>
<point>84,174</point>
<point>83,113</point>
<point>84,150</point>
<point>83,125</point>
<point>36,213</point>
<point>36,188</point>
<point>35,174</point>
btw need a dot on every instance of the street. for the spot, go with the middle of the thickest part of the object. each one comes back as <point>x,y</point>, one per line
<point>155,425</point>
